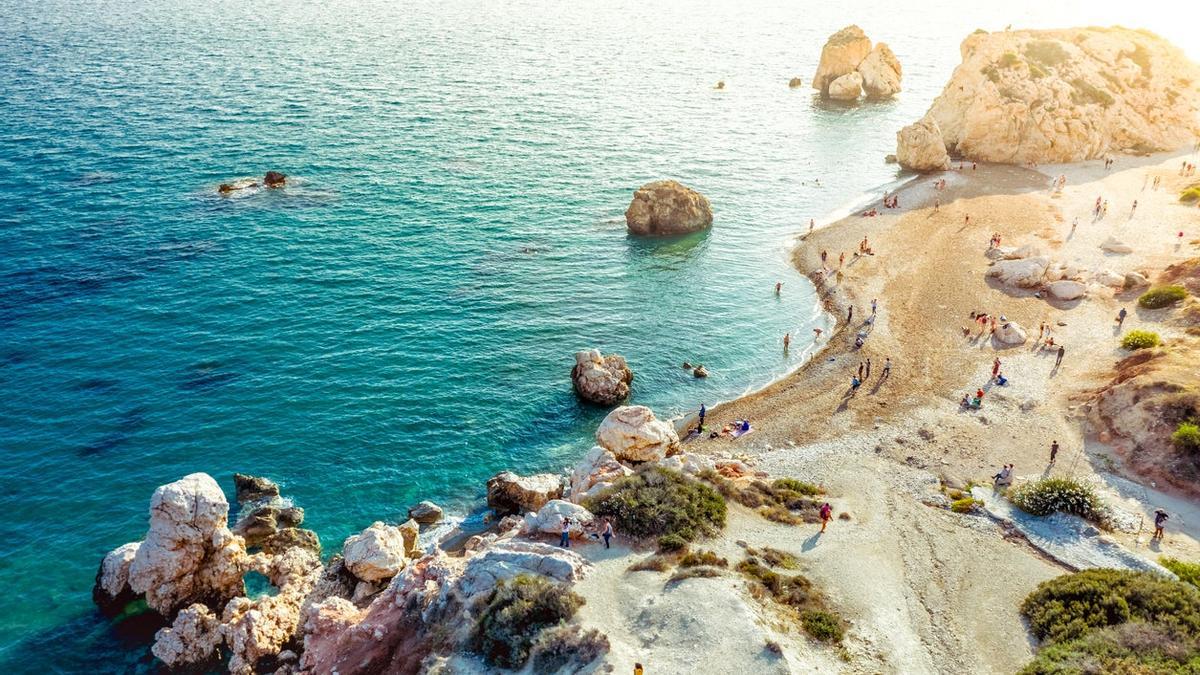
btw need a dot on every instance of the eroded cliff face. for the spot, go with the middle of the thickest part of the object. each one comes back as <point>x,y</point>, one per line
<point>1067,95</point>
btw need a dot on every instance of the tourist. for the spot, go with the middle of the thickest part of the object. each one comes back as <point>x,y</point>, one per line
<point>824,255</point>
<point>778,287</point>
<point>967,219</point>
<point>826,515</point>
<point>1005,477</point>
<point>937,204</point>
<point>874,305</point>
<point>995,368</point>
<point>817,334</point>
<point>811,223</point>
<point>1133,209</point>
<point>1053,451</point>
<point>787,340</point>
<point>842,259</point>
<point>1074,224</point>
<point>860,370</point>
<point>1001,379</point>
<point>1061,350</point>
<point>855,383</point>
<point>849,313</point>
<point>703,412</point>
<point>1121,317</point>
<point>637,669</point>
<point>979,395</point>
<point>868,375</point>
<point>608,533</point>
<point>858,342</point>
<point>566,533</point>
<point>1160,519</point>
<point>887,368</point>
<point>966,400</point>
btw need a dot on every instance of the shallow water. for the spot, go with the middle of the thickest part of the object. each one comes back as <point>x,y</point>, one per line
<point>398,324</point>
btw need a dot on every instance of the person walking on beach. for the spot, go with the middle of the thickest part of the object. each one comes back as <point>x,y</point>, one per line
<point>811,223</point>
<point>1053,451</point>
<point>817,334</point>
<point>868,375</point>
<point>565,542</point>
<point>824,256</point>
<point>874,306</point>
<point>887,369</point>
<point>608,533</point>
<point>1133,209</point>
<point>1058,360</point>
<point>995,368</point>
<point>826,515</point>
<point>1074,224</point>
<point>967,219</point>
<point>1121,317</point>
<point>703,412</point>
<point>937,204</point>
<point>842,259</point>
<point>849,313</point>
<point>1160,519</point>
<point>855,383</point>
<point>860,370</point>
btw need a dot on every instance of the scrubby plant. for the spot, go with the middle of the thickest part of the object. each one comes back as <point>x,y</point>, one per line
<point>1009,60</point>
<point>1065,495</point>
<point>1162,296</point>
<point>798,486</point>
<point>654,563</point>
<point>774,557</point>
<point>1128,649</point>
<point>965,505</point>
<point>786,500</point>
<point>1140,339</point>
<point>797,594</point>
<point>562,646</point>
<point>514,612</point>
<point>655,502</point>
<point>1190,193</point>
<point>1046,52</point>
<point>1187,572</point>
<point>699,558</point>
<point>1187,437</point>
<point>694,573</point>
<point>672,543</point>
<point>1084,92</point>
<point>822,625</point>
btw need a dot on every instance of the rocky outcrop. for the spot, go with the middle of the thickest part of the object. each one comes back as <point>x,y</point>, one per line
<point>111,592</point>
<point>596,471</point>
<point>376,553</point>
<point>603,380</point>
<point>634,434</point>
<point>841,55</point>
<point>506,560</point>
<point>1010,333</point>
<point>880,72</point>
<point>1067,95</point>
<point>509,493</point>
<point>1066,289</point>
<point>274,179</point>
<point>548,520</point>
<point>249,488</point>
<point>846,88</point>
<point>425,513</point>
<point>920,147</point>
<point>1114,245</point>
<point>1021,273</point>
<point>665,207</point>
<point>795,82</point>
<point>266,520</point>
<point>192,638</point>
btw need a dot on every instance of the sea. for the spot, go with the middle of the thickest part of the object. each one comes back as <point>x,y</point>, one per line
<point>398,323</point>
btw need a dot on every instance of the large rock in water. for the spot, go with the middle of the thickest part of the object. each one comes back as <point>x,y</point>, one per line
<point>603,380</point>
<point>666,207</point>
<point>920,147</point>
<point>847,87</point>
<point>841,55</point>
<point>1068,95</point>
<point>509,493</point>
<point>112,593</point>
<point>880,72</point>
<point>376,553</point>
<point>634,434</point>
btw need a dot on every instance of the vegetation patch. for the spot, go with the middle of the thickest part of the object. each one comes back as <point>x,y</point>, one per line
<point>1084,92</point>
<point>822,625</point>
<point>1186,571</point>
<point>1186,437</point>
<point>694,573</point>
<point>672,543</point>
<point>1046,52</point>
<point>706,558</point>
<point>1009,60</point>
<point>785,500</point>
<point>1140,339</point>
<point>1162,296</point>
<point>965,505</point>
<point>654,563</point>
<point>798,596</point>
<point>1114,621</point>
<point>1190,194</point>
<point>556,648</point>
<point>513,615</point>
<point>774,557</point>
<point>658,502</point>
<point>1064,495</point>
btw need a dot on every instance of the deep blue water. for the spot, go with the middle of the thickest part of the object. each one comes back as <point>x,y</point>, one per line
<point>397,324</point>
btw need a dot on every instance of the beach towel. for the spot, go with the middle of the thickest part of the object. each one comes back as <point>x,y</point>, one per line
<point>738,433</point>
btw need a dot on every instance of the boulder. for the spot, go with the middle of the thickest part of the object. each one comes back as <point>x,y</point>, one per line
<point>192,638</point>
<point>240,184</point>
<point>634,434</point>
<point>700,372</point>
<point>505,560</point>
<point>688,462</point>
<point>111,592</point>
<point>376,553</point>
<point>1024,251</point>
<point>842,53</point>
<point>1114,245</point>
<point>1107,277</point>
<point>848,87</point>
<point>411,532</point>
<point>274,179</point>
<point>880,72</point>
<point>1135,280</point>
<point>919,147</point>
<point>254,488</point>
<point>603,380</point>
<point>666,207</point>
<point>795,82</point>
<point>1010,333</point>
<point>290,537</point>
<point>189,554</point>
<point>509,493</point>
<point>548,519</point>
<point>425,513</point>
<point>1024,273</point>
<point>596,471</point>
<point>1066,290</point>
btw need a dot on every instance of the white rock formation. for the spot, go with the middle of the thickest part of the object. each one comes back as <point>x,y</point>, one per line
<point>376,553</point>
<point>603,380</point>
<point>509,493</point>
<point>666,207</point>
<point>1114,245</point>
<point>112,592</point>
<point>596,471</point>
<point>1066,289</point>
<point>920,147</point>
<point>507,559</point>
<point>1068,95</point>
<point>880,72</point>
<point>634,434</point>
<point>425,513</point>
<point>841,55</point>
<point>549,519</point>
<point>1010,333</point>
<point>848,87</point>
<point>1024,273</point>
<point>688,462</point>
<point>192,638</point>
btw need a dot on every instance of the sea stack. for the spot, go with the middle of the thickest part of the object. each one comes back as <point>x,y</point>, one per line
<point>1050,96</point>
<point>603,380</point>
<point>665,207</point>
<point>850,65</point>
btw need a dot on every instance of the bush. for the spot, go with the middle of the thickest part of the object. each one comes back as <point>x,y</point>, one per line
<point>561,646</point>
<point>1084,93</point>
<point>672,543</point>
<point>1009,60</point>
<point>1187,437</point>
<point>1186,571</point>
<point>1190,194</point>
<point>654,563</point>
<point>798,594</point>
<point>822,625</point>
<point>797,486</point>
<point>1067,607</point>
<point>1046,52</point>
<point>1043,497</point>
<point>1131,649</point>
<point>656,502</point>
<point>965,505</point>
<point>703,558</point>
<point>512,615</point>
<point>694,573</point>
<point>1140,339</point>
<point>774,557</point>
<point>1162,296</point>
<point>786,500</point>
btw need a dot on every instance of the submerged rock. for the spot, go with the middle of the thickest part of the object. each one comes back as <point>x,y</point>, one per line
<point>634,434</point>
<point>666,207</point>
<point>603,380</point>
<point>274,179</point>
<point>509,493</point>
<point>425,513</point>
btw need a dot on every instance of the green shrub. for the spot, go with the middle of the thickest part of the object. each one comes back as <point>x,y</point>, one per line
<point>1186,571</point>
<point>672,543</point>
<point>694,573</point>
<point>1162,296</point>
<point>512,615</point>
<point>1009,60</point>
<point>561,646</point>
<point>965,505</point>
<point>786,500</point>
<point>654,563</point>
<point>1084,93</point>
<point>1046,52</point>
<point>699,558</point>
<point>774,557</point>
<point>655,502</point>
<point>822,625</point>
<point>1067,607</point>
<point>1043,497</point>
<point>1187,437</point>
<point>1190,194</point>
<point>1127,649</point>
<point>1140,339</point>
<point>797,486</point>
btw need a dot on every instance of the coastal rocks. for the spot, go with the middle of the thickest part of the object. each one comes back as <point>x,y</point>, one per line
<point>689,463</point>
<point>1135,280</point>
<point>665,207</point>
<point>603,380</point>
<point>596,471</point>
<point>112,593</point>
<point>376,553</point>
<point>192,638</point>
<point>919,147</point>
<point>189,554</point>
<point>1023,273</point>
<point>846,88</point>
<point>509,493</point>
<point>425,513</point>
<point>700,372</point>
<point>841,55</point>
<point>1108,278</point>
<point>548,519</point>
<point>880,72</point>
<point>274,179</point>
<point>1066,290</point>
<point>267,521</point>
<point>249,488</point>
<point>1114,245</point>
<point>507,559</point>
<point>795,82</point>
<point>1051,96</point>
<point>1010,333</point>
<point>634,434</point>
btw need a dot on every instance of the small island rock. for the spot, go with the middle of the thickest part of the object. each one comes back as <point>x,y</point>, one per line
<point>842,53</point>
<point>509,493</point>
<point>848,87</point>
<point>603,380</point>
<point>880,72</point>
<point>426,513</point>
<point>666,207</point>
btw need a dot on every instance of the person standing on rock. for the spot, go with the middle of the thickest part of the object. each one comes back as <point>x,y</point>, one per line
<point>1053,451</point>
<point>826,515</point>
<point>1058,360</point>
<point>1160,519</point>
<point>1121,317</point>
<point>566,533</point>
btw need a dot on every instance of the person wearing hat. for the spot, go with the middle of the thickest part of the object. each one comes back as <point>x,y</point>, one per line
<point>1160,518</point>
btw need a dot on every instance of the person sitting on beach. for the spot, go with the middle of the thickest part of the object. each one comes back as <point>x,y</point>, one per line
<point>858,342</point>
<point>745,426</point>
<point>966,400</point>
<point>1005,476</point>
<point>1001,379</point>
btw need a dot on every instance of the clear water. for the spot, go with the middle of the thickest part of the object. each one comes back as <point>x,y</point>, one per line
<point>399,323</point>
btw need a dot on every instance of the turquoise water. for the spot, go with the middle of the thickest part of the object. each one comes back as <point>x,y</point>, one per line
<point>399,323</point>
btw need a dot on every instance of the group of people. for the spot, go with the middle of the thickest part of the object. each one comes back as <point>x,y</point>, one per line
<point>982,320</point>
<point>891,201</point>
<point>994,242</point>
<point>939,184</point>
<point>1100,209</point>
<point>1108,163</point>
<point>864,374</point>
<point>605,531</point>
<point>974,402</point>
<point>1059,182</point>
<point>1188,169</point>
<point>864,247</point>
